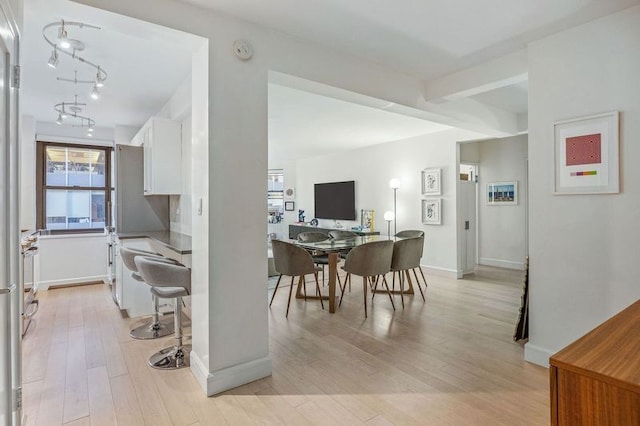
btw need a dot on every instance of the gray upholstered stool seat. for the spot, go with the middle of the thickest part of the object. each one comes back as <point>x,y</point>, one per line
<point>155,328</point>
<point>168,280</point>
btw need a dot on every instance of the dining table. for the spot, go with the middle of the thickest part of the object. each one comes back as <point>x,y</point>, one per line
<point>333,247</point>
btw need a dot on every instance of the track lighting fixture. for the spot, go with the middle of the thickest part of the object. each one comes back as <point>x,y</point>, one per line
<point>53,59</point>
<point>70,46</point>
<point>73,111</point>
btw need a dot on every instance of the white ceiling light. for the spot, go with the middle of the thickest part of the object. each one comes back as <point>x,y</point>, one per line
<point>59,120</point>
<point>53,59</point>
<point>95,93</point>
<point>99,78</point>
<point>63,39</point>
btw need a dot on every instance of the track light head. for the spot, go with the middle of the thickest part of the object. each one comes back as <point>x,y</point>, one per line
<point>95,93</point>
<point>63,38</point>
<point>99,78</point>
<point>59,120</point>
<point>53,59</point>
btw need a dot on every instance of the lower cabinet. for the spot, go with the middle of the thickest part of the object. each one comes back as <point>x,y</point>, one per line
<point>132,295</point>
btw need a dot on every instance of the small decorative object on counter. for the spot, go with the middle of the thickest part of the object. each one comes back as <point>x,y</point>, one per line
<point>367,218</point>
<point>314,222</point>
<point>300,215</point>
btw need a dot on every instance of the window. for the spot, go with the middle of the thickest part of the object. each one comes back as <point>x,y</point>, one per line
<point>73,187</point>
<point>275,195</point>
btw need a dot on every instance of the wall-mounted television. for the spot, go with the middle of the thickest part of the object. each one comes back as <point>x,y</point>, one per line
<point>335,200</point>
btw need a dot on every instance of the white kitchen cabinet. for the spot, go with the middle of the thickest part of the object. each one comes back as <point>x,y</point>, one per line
<point>134,296</point>
<point>161,140</point>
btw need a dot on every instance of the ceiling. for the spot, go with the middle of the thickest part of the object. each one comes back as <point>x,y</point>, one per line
<point>135,55</point>
<point>426,39</point>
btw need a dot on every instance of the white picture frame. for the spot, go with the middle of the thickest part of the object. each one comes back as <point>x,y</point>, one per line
<point>586,155</point>
<point>431,181</point>
<point>432,211</point>
<point>502,193</point>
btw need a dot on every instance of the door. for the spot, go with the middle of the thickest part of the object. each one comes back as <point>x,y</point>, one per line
<point>468,215</point>
<point>10,321</point>
<point>467,199</point>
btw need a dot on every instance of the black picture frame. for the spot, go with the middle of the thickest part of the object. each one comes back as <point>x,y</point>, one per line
<point>289,206</point>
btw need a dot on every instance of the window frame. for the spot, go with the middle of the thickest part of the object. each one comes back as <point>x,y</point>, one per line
<point>42,187</point>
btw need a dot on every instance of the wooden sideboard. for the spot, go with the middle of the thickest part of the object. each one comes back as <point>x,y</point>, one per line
<point>294,230</point>
<point>596,379</point>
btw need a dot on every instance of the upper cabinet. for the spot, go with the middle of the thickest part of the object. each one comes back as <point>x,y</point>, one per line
<point>161,140</point>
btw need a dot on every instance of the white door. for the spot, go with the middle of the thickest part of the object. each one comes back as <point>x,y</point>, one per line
<point>10,353</point>
<point>467,225</point>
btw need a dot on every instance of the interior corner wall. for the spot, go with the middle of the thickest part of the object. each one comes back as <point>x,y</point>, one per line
<point>502,229</point>
<point>583,248</point>
<point>371,168</point>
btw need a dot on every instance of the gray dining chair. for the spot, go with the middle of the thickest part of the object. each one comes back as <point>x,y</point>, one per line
<point>410,233</point>
<point>406,257</point>
<point>319,259</point>
<point>415,234</point>
<point>294,261</point>
<point>369,261</point>
<point>341,235</point>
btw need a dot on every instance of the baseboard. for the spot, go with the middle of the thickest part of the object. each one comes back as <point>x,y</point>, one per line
<point>537,355</point>
<point>213,383</point>
<point>508,264</point>
<point>449,273</point>
<point>45,285</point>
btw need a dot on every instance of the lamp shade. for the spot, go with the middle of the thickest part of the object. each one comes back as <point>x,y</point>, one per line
<point>394,183</point>
<point>388,215</point>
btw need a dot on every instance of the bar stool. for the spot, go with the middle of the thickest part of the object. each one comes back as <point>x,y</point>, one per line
<point>168,281</point>
<point>155,328</point>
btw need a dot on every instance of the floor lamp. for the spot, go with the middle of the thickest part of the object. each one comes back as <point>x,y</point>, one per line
<point>395,184</point>
<point>389,216</point>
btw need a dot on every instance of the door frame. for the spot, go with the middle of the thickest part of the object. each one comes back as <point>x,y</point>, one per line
<point>476,209</point>
<point>10,180</point>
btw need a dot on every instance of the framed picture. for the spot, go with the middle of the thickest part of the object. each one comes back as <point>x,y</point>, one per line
<point>289,206</point>
<point>432,211</point>
<point>502,193</point>
<point>431,181</point>
<point>586,155</point>
<point>367,219</point>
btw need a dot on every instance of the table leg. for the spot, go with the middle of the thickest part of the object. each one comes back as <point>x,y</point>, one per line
<point>333,271</point>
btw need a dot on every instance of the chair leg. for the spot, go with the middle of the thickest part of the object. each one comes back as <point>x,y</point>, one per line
<point>303,283</point>
<point>423,278</point>
<point>275,289</point>
<point>318,290</point>
<point>176,356</point>
<point>364,291</point>
<point>347,278</point>
<point>401,288</point>
<point>290,292</point>
<point>419,285</point>
<point>384,281</point>
<point>393,281</point>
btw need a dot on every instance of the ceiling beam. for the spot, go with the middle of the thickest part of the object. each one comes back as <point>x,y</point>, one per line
<point>504,71</point>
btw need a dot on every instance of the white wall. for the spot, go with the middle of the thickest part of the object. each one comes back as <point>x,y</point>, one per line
<point>27,173</point>
<point>71,259</point>
<point>582,247</point>
<point>372,168</point>
<point>501,229</point>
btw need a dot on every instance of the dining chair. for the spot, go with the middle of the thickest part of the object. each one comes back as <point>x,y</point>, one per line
<point>319,259</point>
<point>294,261</point>
<point>341,235</point>
<point>369,261</point>
<point>406,257</point>
<point>412,234</point>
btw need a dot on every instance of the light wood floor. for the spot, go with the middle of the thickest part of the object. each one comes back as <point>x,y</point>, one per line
<point>450,361</point>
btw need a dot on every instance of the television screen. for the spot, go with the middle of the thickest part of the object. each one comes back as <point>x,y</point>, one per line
<point>335,200</point>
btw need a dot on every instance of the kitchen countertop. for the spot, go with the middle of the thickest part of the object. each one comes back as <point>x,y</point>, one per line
<point>180,243</point>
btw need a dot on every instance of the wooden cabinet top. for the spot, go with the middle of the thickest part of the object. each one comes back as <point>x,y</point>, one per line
<point>610,352</point>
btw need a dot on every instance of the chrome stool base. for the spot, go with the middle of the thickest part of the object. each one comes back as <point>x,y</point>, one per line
<point>152,331</point>
<point>171,358</point>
